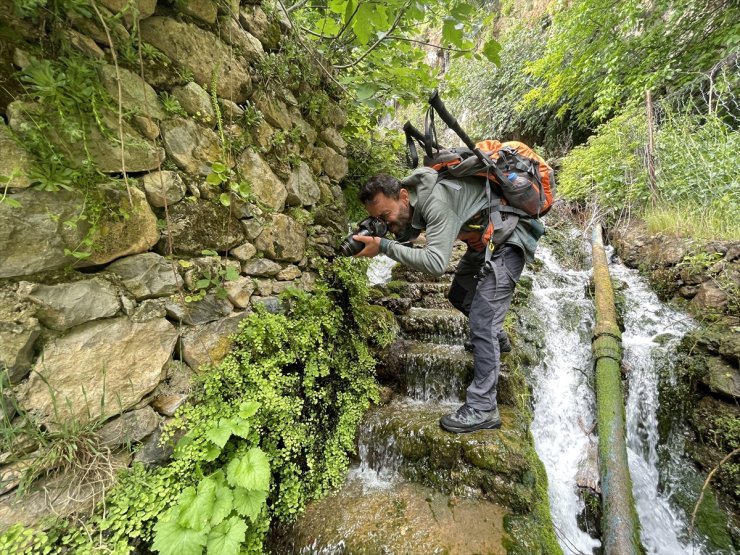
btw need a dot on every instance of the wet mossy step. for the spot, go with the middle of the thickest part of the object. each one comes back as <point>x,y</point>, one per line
<point>400,518</point>
<point>435,325</point>
<point>437,372</point>
<point>498,465</point>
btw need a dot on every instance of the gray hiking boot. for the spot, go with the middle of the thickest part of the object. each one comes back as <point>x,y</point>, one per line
<point>504,345</point>
<point>467,419</point>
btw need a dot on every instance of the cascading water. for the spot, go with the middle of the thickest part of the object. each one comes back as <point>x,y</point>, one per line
<point>651,334</point>
<point>563,412</point>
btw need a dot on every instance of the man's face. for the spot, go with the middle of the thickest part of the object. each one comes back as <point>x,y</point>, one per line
<point>394,212</point>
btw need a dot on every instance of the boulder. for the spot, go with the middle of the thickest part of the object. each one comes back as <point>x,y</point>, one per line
<point>722,377</point>
<point>196,102</point>
<point>199,225</point>
<point>245,44</point>
<point>254,20</point>
<point>147,275</point>
<point>83,44</point>
<point>209,343</point>
<point>174,390</point>
<point>332,138</point>
<point>196,49</point>
<point>205,10</point>
<point>274,110</point>
<point>163,188</point>
<point>266,186</point>
<point>302,187</point>
<point>137,95</point>
<point>710,297</point>
<point>337,116</point>
<point>66,305</point>
<point>333,164</point>
<point>207,309</point>
<point>240,291</point>
<point>131,427</point>
<point>283,239</point>
<point>261,267</point>
<point>98,370</point>
<point>192,147</point>
<point>14,161</point>
<point>243,252</point>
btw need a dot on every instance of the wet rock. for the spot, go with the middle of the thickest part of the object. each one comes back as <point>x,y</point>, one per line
<point>199,225</point>
<point>14,161</point>
<point>284,239</point>
<point>270,304</point>
<point>266,186</point>
<point>131,427</point>
<point>137,95</point>
<point>192,147</point>
<point>147,275</point>
<point>196,49</point>
<point>63,306</point>
<point>196,101</point>
<point>436,325</point>
<point>210,343</point>
<point>722,378</point>
<point>205,310</point>
<point>302,187</point>
<point>84,376</point>
<point>163,188</point>
<point>396,305</point>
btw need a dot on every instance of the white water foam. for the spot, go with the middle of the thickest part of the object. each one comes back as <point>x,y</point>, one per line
<point>380,268</point>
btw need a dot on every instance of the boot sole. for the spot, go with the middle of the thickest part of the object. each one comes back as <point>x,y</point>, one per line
<point>489,425</point>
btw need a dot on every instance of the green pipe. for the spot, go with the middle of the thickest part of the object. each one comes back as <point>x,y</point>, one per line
<point>620,528</point>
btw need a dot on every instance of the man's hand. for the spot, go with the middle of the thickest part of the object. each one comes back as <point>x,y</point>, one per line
<point>372,245</point>
<point>473,239</point>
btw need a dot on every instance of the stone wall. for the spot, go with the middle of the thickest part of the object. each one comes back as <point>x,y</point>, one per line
<point>113,336</point>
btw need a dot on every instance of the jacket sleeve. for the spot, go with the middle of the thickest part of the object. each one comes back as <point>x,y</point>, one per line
<point>442,227</point>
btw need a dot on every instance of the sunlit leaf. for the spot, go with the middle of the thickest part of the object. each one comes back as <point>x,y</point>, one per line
<point>250,471</point>
<point>173,539</point>
<point>249,503</point>
<point>227,537</point>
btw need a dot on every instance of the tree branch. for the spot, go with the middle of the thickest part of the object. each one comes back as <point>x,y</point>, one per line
<point>406,39</point>
<point>706,484</point>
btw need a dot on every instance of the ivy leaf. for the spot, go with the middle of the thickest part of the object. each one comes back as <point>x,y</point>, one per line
<point>251,471</point>
<point>249,503</point>
<point>173,539</point>
<point>362,25</point>
<point>224,199</point>
<point>223,504</point>
<point>220,433</point>
<point>248,409</point>
<point>196,508</point>
<point>492,52</point>
<point>203,284</point>
<point>218,167</point>
<point>452,32</point>
<point>227,537</point>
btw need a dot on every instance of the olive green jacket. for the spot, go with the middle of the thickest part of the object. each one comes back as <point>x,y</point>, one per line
<point>442,208</point>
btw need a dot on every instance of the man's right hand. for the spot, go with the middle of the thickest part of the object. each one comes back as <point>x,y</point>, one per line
<point>372,246</point>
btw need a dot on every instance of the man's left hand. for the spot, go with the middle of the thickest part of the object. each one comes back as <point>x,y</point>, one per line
<point>372,245</point>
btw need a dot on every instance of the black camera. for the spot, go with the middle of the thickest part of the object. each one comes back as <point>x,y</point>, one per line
<point>371,227</point>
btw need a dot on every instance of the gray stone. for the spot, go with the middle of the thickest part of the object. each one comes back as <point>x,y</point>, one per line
<point>284,239</point>
<point>252,228</point>
<point>274,110</point>
<point>711,297</point>
<point>131,427</point>
<point>199,225</point>
<point>261,267</point>
<point>98,370</point>
<point>192,147</point>
<point>21,58</point>
<point>147,275</point>
<point>196,102</point>
<point>332,138</point>
<point>264,287</point>
<point>196,49</point>
<point>279,287</point>
<point>337,116</point>
<point>210,343</point>
<point>255,21</point>
<point>163,188</point>
<point>14,161</point>
<point>208,309</point>
<point>309,133</point>
<point>266,186</point>
<point>137,95</point>
<point>146,126</point>
<point>177,382</point>
<point>152,453</point>
<point>231,110</point>
<point>333,164</point>
<point>141,8</point>
<point>262,136</point>
<point>205,10</point>
<point>723,377</point>
<point>69,304</point>
<point>18,335</point>
<point>288,273</point>
<point>246,44</point>
<point>149,309</point>
<point>239,291</point>
<point>83,44</point>
<point>95,30</point>
<point>303,190</point>
<point>243,252</point>
<point>270,304</point>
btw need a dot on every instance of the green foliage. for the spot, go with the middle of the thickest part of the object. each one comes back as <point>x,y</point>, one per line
<point>601,54</point>
<point>171,105</point>
<point>212,279</point>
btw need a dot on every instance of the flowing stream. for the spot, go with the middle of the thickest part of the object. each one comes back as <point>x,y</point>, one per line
<point>564,421</point>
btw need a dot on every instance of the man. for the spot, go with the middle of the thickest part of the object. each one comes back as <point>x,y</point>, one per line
<point>456,209</point>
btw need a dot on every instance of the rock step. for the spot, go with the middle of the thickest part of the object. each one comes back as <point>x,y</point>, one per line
<point>497,465</point>
<point>434,325</point>
<point>435,372</point>
<point>399,518</point>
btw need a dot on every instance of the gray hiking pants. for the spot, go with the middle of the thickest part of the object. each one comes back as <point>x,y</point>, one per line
<point>485,300</point>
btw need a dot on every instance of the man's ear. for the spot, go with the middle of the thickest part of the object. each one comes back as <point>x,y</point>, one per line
<point>403,194</point>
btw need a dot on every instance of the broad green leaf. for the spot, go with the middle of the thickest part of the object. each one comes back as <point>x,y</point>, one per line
<point>362,24</point>
<point>492,51</point>
<point>240,427</point>
<point>218,167</point>
<point>223,504</point>
<point>227,537</point>
<point>327,26</point>
<point>248,409</point>
<point>170,538</point>
<point>364,92</point>
<point>225,199</point>
<point>214,179</point>
<point>349,11</point>
<point>452,32</point>
<point>220,433</point>
<point>212,452</point>
<point>251,471</point>
<point>231,273</point>
<point>208,252</point>
<point>195,508</point>
<point>202,284</point>
<point>337,6</point>
<point>249,503</point>
<point>10,202</point>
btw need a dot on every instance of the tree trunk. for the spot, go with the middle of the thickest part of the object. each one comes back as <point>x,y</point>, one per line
<point>620,526</point>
